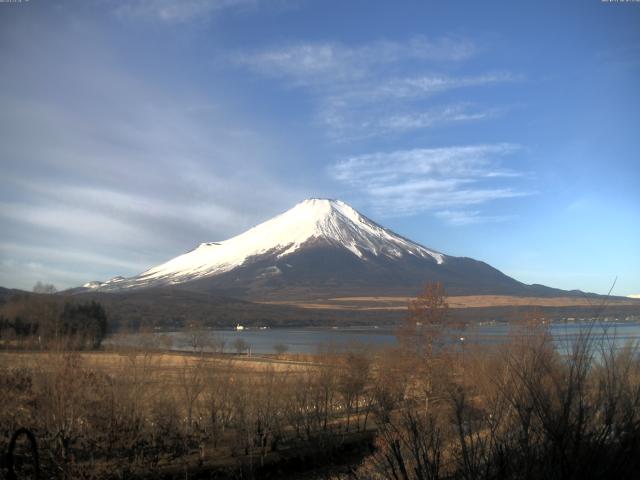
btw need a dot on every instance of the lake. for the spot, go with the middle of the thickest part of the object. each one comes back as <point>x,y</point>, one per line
<point>310,340</point>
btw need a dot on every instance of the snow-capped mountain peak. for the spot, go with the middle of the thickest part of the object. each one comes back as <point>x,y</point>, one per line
<point>336,221</point>
<point>313,220</point>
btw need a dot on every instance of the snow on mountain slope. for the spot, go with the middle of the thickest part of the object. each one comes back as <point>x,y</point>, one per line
<point>314,219</point>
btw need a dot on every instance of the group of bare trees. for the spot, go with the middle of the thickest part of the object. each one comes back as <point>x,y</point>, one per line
<point>48,321</point>
<point>145,411</point>
<point>518,410</point>
<point>439,411</point>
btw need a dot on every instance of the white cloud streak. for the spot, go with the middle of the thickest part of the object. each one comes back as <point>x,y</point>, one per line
<point>178,11</point>
<point>99,163</point>
<point>412,87</point>
<point>370,90</point>
<point>330,63</point>
<point>433,117</point>
<point>349,124</point>
<point>469,217</point>
<point>407,182</point>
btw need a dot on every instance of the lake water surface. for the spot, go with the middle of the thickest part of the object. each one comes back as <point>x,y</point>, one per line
<point>311,340</point>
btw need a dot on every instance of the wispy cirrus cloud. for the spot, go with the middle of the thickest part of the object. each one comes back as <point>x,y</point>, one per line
<point>347,124</point>
<point>329,64</point>
<point>412,87</point>
<point>113,172</point>
<point>436,116</point>
<point>470,217</point>
<point>448,179</point>
<point>371,90</point>
<point>448,162</point>
<point>178,11</point>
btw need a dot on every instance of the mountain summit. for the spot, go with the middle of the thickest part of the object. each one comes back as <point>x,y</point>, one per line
<point>319,247</point>
<point>310,221</point>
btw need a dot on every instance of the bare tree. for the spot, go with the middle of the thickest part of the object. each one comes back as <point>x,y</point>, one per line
<point>219,388</point>
<point>281,349</point>
<point>217,343</point>
<point>191,378</point>
<point>353,378</point>
<point>240,345</point>
<point>41,287</point>
<point>421,333</point>
<point>426,317</point>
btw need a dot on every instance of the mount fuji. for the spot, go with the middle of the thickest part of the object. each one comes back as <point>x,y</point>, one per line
<point>320,248</point>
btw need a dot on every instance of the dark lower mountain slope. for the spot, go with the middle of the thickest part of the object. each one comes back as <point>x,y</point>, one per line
<point>173,308</point>
<point>322,248</point>
<point>323,270</point>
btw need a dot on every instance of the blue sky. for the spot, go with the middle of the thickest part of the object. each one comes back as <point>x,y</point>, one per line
<point>505,131</point>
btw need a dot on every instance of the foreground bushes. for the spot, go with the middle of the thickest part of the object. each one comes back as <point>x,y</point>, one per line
<point>143,414</point>
<point>516,411</point>
<point>521,412</point>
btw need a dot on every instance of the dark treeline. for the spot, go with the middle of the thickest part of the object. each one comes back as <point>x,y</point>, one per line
<point>46,321</point>
<point>172,309</point>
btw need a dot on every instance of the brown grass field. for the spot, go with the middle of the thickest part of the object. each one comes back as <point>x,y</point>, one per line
<point>465,301</point>
<point>360,414</point>
<point>157,414</point>
<point>164,363</point>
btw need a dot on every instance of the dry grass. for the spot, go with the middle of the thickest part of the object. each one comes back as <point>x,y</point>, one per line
<point>150,414</point>
<point>463,301</point>
<point>162,361</point>
<point>514,411</point>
